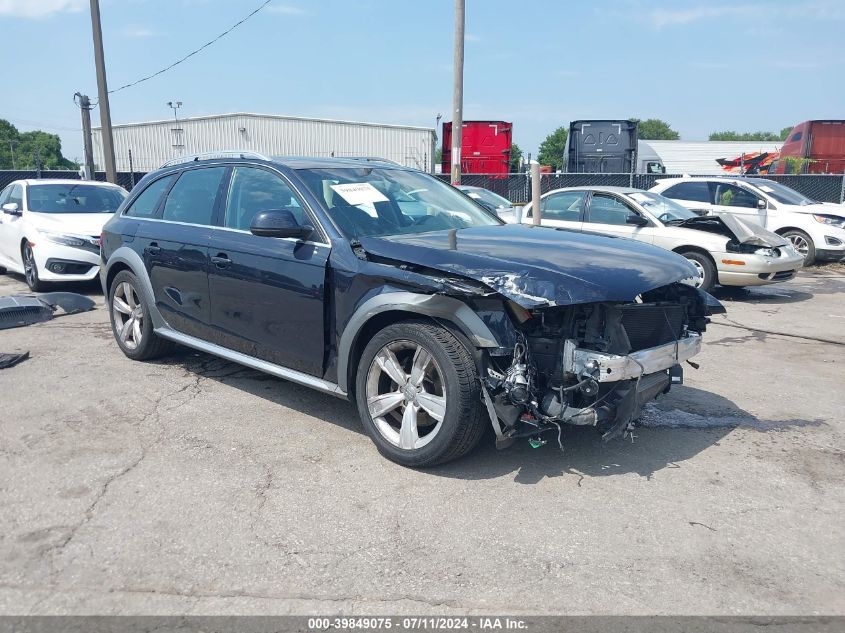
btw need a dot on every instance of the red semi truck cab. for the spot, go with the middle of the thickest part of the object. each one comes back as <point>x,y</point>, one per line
<point>485,147</point>
<point>821,143</point>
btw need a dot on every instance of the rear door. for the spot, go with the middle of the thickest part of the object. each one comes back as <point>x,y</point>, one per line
<point>563,209</point>
<point>267,294</point>
<point>696,195</point>
<point>608,214</point>
<point>175,247</point>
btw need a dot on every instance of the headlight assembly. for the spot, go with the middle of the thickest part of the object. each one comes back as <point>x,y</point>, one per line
<point>73,241</point>
<point>830,220</point>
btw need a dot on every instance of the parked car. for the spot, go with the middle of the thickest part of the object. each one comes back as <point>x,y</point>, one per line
<point>816,230</point>
<point>436,325</point>
<point>50,229</point>
<point>724,250</point>
<point>487,199</point>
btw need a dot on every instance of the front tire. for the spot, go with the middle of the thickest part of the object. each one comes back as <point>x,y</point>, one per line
<point>803,243</point>
<point>130,320</point>
<point>30,269</point>
<point>704,266</point>
<point>418,394</point>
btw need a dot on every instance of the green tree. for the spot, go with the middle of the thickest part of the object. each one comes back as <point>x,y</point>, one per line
<point>784,133</point>
<point>31,147</point>
<point>656,130</point>
<point>730,135</point>
<point>516,158</point>
<point>552,149</point>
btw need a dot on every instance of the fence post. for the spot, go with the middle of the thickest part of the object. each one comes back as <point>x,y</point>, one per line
<point>842,190</point>
<point>131,171</point>
<point>536,192</point>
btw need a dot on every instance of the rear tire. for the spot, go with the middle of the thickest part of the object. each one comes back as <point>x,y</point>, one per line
<point>418,394</point>
<point>705,267</point>
<point>130,320</point>
<point>803,243</point>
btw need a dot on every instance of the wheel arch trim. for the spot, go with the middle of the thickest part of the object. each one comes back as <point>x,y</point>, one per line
<point>449,309</point>
<point>125,257</point>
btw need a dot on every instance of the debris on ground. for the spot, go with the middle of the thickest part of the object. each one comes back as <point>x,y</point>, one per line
<point>10,360</point>
<point>21,310</point>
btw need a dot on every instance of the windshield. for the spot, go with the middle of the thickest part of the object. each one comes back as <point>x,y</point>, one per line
<point>782,193</point>
<point>81,198</point>
<point>485,195</point>
<point>374,201</point>
<point>662,208</point>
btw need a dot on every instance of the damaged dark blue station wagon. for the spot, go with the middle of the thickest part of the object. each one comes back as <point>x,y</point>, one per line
<point>386,286</point>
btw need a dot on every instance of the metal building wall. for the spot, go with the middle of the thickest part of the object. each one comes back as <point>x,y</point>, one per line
<point>154,142</point>
<point>699,157</point>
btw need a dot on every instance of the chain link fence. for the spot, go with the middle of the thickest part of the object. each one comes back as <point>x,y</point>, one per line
<point>517,187</point>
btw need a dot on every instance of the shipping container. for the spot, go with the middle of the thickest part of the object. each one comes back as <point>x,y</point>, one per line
<point>485,147</point>
<point>154,142</point>
<point>816,147</point>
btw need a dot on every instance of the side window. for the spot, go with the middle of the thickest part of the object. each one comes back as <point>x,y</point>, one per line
<point>565,205</point>
<point>655,168</point>
<point>606,209</point>
<point>193,196</point>
<point>795,137</point>
<point>729,195</point>
<point>146,204</point>
<point>16,195</point>
<point>693,191</point>
<point>253,190</point>
<point>5,194</point>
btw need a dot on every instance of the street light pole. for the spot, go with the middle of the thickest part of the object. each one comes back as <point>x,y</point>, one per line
<point>103,92</point>
<point>458,92</point>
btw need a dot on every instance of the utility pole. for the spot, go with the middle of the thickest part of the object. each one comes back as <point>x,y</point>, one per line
<point>458,92</point>
<point>103,92</point>
<point>84,104</point>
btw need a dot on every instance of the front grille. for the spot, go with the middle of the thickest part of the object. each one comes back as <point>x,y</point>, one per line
<point>650,325</point>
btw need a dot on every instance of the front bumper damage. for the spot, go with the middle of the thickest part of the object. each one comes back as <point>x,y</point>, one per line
<point>551,383</point>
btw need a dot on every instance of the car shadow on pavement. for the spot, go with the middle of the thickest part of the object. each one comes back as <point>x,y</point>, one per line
<point>678,427</point>
<point>769,295</point>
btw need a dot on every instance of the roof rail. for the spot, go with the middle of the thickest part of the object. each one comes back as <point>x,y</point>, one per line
<point>210,155</point>
<point>372,159</point>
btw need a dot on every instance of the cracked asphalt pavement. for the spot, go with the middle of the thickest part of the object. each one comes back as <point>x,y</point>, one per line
<point>192,485</point>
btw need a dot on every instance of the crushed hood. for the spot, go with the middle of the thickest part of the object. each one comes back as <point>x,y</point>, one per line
<point>539,266</point>
<point>732,227</point>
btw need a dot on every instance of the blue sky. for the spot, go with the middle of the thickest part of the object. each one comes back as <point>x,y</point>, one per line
<point>702,66</point>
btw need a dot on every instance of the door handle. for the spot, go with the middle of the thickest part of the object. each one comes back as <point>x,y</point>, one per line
<point>221,260</point>
<point>153,248</point>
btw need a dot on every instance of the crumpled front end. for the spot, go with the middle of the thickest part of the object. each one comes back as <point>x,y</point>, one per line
<point>592,364</point>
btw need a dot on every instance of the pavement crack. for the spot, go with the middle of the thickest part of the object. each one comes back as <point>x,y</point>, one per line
<point>703,525</point>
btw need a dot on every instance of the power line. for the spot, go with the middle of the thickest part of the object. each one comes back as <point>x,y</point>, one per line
<point>192,53</point>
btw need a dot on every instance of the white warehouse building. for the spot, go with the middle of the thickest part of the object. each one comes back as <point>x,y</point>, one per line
<point>154,142</point>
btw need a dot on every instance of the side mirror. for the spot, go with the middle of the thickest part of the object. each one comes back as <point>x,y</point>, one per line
<point>761,204</point>
<point>279,223</point>
<point>11,208</point>
<point>636,220</point>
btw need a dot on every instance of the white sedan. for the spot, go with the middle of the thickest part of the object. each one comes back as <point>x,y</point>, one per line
<point>50,229</point>
<point>725,250</point>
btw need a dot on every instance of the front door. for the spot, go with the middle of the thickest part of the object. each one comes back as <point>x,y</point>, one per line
<point>267,294</point>
<point>738,201</point>
<point>10,228</point>
<point>608,215</point>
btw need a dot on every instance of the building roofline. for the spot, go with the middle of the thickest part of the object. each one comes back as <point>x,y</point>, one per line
<point>271,116</point>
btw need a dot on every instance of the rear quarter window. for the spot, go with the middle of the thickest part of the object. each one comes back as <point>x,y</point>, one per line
<point>145,205</point>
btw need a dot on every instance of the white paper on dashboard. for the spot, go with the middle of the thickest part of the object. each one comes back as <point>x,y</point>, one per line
<point>356,193</point>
